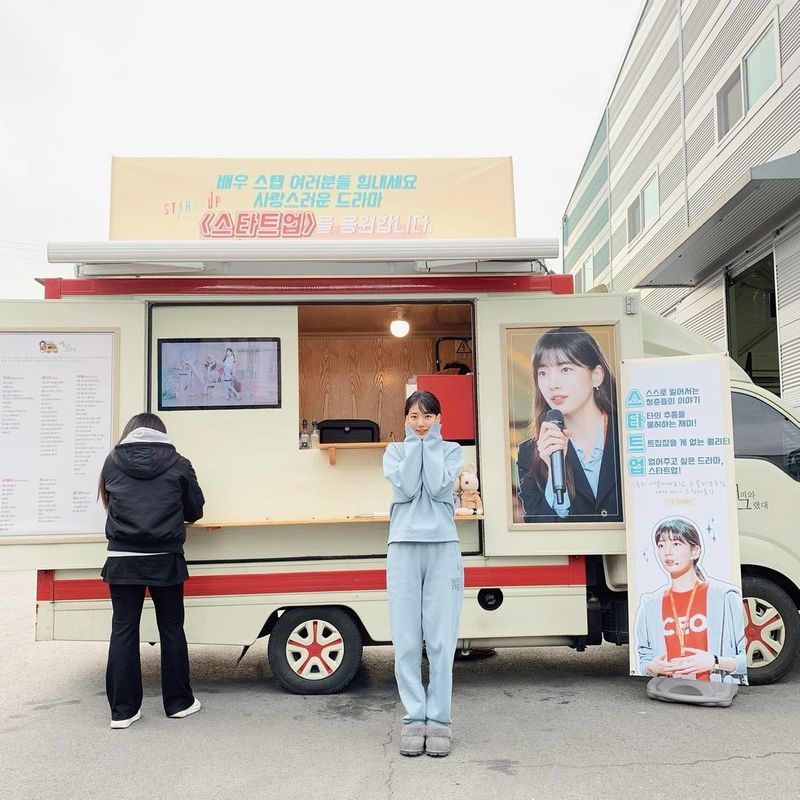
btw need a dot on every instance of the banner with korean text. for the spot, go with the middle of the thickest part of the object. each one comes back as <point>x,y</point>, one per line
<point>206,198</point>
<point>684,584</point>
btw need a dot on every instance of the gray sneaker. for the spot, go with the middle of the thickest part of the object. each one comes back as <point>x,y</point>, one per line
<point>437,740</point>
<point>412,739</point>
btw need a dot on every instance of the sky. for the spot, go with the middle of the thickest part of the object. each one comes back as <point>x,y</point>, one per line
<point>83,81</point>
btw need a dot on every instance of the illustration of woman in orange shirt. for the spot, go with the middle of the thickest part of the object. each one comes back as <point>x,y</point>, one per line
<point>694,627</point>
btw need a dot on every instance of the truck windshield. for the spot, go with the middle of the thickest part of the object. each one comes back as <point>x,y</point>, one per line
<point>760,431</point>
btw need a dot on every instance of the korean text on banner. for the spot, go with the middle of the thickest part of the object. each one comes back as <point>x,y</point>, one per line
<point>319,199</point>
<point>684,589</point>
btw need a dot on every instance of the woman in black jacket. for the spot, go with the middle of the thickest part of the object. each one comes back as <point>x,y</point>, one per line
<point>149,491</point>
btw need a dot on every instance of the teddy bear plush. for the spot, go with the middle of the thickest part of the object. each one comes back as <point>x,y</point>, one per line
<point>470,497</point>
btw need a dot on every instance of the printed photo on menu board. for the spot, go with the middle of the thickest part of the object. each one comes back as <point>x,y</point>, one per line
<point>562,412</point>
<point>218,373</point>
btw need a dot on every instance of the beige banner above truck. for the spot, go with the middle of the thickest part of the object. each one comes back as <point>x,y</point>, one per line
<point>321,199</point>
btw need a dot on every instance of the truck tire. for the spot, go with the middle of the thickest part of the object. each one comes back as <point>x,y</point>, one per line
<point>315,650</point>
<point>772,630</point>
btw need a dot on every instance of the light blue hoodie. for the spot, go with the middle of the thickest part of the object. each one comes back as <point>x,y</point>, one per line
<point>422,472</point>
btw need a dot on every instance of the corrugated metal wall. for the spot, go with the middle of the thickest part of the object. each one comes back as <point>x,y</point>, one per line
<point>670,177</point>
<point>647,155</point>
<point>787,287</point>
<point>593,188</point>
<point>697,21</point>
<point>700,141</point>
<point>632,75</point>
<point>666,71</point>
<point>668,232</point>
<point>730,37</point>
<point>790,34</point>
<point>703,312</point>
<point>598,223</point>
<point>661,300</point>
<point>760,146</point>
<point>644,129</point>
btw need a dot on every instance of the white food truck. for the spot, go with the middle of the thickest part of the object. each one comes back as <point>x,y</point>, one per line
<point>292,547</point>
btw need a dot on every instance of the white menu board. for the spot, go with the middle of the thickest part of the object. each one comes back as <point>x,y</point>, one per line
<point>56,419</point>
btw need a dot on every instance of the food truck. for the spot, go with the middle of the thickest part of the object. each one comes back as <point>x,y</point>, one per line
<point>291,551</point>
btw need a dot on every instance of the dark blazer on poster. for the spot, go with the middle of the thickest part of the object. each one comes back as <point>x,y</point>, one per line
<point>584,507</point>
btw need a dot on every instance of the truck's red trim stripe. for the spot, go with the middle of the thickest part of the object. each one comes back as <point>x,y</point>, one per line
<point>56,288</point>
<point>45,585</point>
<point>571,574</point>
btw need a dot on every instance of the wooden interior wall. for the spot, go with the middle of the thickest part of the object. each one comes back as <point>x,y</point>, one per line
<point>361,377</point>
<point>451,349</point>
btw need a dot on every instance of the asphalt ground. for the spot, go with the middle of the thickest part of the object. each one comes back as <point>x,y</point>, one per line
<point>528,723</point>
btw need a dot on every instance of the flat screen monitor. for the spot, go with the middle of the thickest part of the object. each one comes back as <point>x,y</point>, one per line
<point>219,373</point>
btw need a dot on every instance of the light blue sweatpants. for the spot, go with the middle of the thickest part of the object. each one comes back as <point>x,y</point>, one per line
<point>425,582</point>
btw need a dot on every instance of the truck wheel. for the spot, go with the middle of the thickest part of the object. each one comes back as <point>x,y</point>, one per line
<point>772,630</point>
<point>315,650</point>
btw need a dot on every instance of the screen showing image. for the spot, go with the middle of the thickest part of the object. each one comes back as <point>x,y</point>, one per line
<point>218,373</point>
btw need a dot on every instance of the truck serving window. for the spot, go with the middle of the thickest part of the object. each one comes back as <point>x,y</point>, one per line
<point>760,431</point>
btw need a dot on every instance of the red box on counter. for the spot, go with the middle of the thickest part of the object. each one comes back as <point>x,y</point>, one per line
<point>456,393</point>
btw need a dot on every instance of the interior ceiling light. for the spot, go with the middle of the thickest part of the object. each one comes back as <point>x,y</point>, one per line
<point>399,326</point>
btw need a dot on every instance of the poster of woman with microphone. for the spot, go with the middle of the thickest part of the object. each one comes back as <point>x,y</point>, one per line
<point>563,425</point>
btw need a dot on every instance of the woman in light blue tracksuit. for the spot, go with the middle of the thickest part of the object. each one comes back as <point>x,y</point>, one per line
<point>424,573</point>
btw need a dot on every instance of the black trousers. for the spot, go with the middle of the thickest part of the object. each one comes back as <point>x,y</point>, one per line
<point>124,671</point>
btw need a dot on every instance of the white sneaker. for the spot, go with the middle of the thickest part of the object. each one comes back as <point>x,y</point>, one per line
<point>196,706</point>
<point>126,723</point>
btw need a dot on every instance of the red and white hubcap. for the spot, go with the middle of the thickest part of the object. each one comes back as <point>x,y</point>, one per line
<point>314,649</point>
<point>764,632</point>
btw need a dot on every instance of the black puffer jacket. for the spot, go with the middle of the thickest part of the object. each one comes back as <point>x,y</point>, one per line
<point>152,490</point>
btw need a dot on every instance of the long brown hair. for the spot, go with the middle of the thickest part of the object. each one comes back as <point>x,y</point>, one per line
<point>678,529</point>
<point>144,420</point>
<point>569,345</point>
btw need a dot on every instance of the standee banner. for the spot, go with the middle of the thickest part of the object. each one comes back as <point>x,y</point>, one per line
<point>199,198</point>
<point>684,585</point>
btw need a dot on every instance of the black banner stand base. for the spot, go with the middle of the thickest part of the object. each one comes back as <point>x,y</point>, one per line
<point>696,693</point>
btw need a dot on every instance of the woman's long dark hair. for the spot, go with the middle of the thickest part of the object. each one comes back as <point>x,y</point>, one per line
<point>144,420</point>
<point>573,345</point>
<point>678,529</point>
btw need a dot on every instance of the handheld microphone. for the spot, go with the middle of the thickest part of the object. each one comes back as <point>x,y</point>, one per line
<point>557,459</point>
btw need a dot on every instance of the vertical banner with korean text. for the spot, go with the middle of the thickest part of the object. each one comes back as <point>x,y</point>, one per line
<point>684,585</point>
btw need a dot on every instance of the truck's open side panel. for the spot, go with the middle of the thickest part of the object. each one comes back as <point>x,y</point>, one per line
<point>495,316</point>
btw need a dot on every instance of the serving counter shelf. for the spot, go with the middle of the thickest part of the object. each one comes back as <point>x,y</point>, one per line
<point>263,521</point>
<point>334,446</point>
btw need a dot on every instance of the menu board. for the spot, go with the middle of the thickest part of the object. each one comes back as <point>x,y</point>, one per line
<point>56,419</point>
